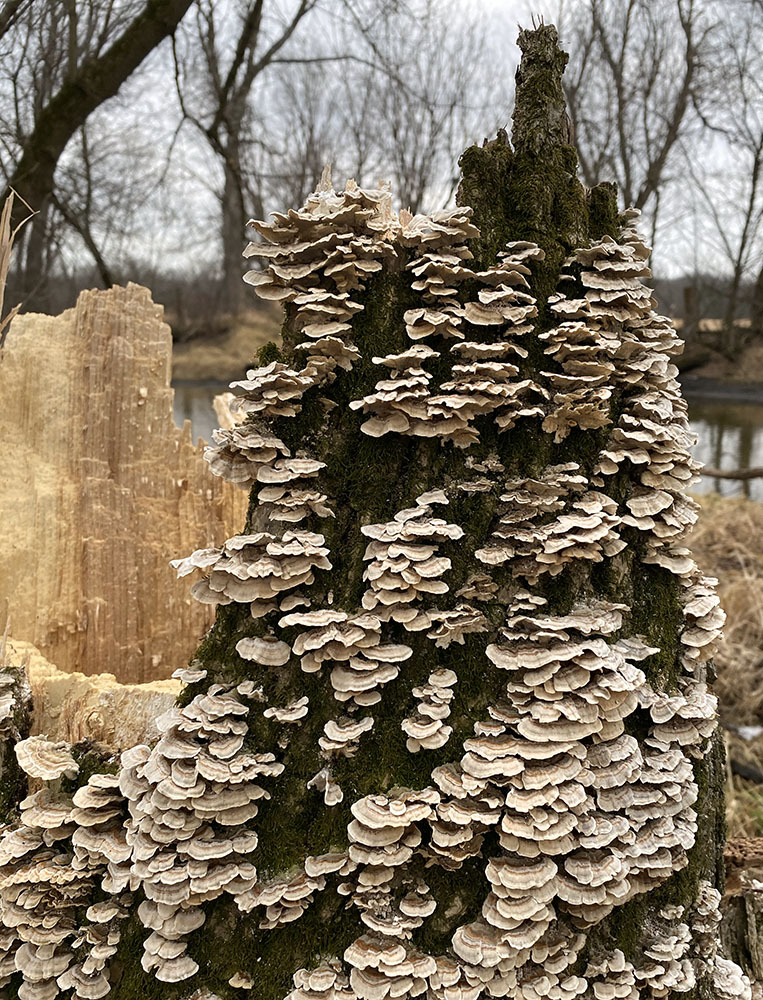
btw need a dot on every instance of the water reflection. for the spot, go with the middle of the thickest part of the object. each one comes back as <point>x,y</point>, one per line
<point>730,435</point>
<point>194,403</point>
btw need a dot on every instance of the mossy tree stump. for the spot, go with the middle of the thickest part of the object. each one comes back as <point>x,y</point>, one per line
<point>457,683</point>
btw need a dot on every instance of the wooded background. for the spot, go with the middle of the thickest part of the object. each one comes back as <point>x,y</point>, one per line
<point>145,133</point>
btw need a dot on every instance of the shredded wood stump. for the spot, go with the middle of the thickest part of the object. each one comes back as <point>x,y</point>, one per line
<point>101,490</point>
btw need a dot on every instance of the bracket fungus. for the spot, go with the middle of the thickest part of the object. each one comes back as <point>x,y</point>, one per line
<point>452,726</point>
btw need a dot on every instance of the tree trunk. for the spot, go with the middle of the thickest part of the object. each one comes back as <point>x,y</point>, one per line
<point>756,309</point>
<point>472,693</point>
<point>34,285</point>
<point>233,225</point>
<point>691,312</point>
<point>731,333</point>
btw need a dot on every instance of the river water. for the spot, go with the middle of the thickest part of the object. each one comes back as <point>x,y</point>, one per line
<point>729,432</point>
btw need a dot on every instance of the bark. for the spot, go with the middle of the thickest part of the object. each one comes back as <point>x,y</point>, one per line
<point>757,307</point>
<point>35,242</point>
<point>232,230</point>
<point>9,14</point>
<point>691,312</point>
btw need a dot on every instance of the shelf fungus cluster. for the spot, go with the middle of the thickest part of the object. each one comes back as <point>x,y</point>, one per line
<point>427,729</point>
<point>65,884</point>
<point>384,833</point>
<point>550,521</point>
<point>651,434</point>
<point>191,799</point>
<point>247,457</point>
<point>403,562</point>
<point>476,330</point>
<point>317,258</point>
<point>257,569</point>
<point>452,726</point>
<point>362,663</point>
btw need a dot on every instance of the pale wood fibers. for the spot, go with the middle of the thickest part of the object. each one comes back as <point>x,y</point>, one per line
<point>100,490</point>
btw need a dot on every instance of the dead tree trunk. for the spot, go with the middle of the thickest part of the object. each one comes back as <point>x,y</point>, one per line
<point>233,240</point>
<point>450,734</point>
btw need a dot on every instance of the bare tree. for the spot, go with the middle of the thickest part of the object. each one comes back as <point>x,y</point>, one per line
<point>305,130</point>
<point>104,186</point>
<point>220,60</point>
<point>61,61</point>
<point>739,117</point>
<point>385,108</point>
<point>637,67</point>
<point>433,94</point>
<point>726,180</point>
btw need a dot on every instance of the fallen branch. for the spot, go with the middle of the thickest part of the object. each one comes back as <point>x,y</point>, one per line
<point>754,473</point>
<point>746,771</point>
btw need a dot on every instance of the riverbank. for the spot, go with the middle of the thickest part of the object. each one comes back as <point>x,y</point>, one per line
<point>706,389</point>
<point>226,355</point>
<point>704,364</point>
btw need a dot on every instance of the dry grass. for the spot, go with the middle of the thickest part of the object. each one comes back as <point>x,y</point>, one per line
<point>728,544</point>
<point>226,356</point>
<point>7,237</point>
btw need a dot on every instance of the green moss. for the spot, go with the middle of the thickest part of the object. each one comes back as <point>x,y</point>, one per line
<point>14,784</point>
<point>230,944</point>
<point>13,787</point>
<point>128,980</point>
<point>539,200</point>
<point>217,650</point>
<point>269,353</point>
<point>92,758</point>
<point>459,896</point>
<point>485,177</point>
<point>602,211</point>
<point>656,614</point>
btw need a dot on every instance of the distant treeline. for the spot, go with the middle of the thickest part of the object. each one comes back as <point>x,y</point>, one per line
<point>195,304</point>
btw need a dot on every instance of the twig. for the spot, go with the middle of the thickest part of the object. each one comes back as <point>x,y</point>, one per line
<point>746,771</point>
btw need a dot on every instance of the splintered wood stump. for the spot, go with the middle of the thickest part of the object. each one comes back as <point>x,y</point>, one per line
<point>101,490</point>
<point>74,707</point>
<point>450,735</point>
